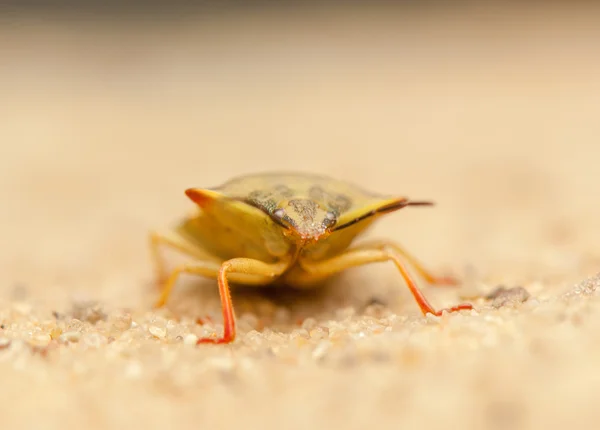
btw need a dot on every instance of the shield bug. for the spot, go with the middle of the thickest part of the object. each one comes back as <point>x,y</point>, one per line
<point>292,229</point>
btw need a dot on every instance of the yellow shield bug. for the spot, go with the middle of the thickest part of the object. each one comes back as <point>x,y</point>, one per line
<point>291,228</point>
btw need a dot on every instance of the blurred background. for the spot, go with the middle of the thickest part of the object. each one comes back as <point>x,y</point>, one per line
<point>109,111</point>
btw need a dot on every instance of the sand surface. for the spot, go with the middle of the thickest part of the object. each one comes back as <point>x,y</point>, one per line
<point>491,113</point>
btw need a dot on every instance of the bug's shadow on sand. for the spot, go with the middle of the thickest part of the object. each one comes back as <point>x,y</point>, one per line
<point>200,298</point>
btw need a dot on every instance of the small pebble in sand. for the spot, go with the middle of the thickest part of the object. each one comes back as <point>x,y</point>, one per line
<point>55,333</point>
<point>91,312</point>
<point>70,336</point>
<point>94,340</point>
<point>4,343</point>
<point>190,339</point>
<point>120,322</point>
<point>319,333</point>
<point>309,323</point>
<point>588,287</point>
<point>40,340</point>
<point>502,296</point>
<point>158,332</point>
<point>345,313</point>
<point>376,309</point>
<point>321,349</point>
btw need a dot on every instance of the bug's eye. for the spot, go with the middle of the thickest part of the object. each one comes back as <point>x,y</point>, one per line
<point>329,220</point>
<point>278,217</point>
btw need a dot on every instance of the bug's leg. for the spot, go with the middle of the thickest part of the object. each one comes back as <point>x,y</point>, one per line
<point>364,255</point>
<point>260,272</point>
<point>173,241</point>
<point>419,267</point>
<point>204,268</point>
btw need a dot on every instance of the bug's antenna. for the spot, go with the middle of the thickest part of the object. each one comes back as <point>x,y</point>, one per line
<point>399,204</point>
<point>419,203</point>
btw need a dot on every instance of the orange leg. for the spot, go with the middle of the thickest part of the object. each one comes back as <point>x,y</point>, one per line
<point>418,266</point>
<point>242,270</point>
<point>262,272</point>
<point>365,255</point>
<point>420,298</point>
<point>227,308</point>
<point>176,242</point>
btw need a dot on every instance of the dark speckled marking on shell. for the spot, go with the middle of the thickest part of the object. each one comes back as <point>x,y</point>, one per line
<point>268,191</point>
<point>269,199</point>
<point>263,199</point>
<point>283,191</point>
<point>337,203</point>
<point>316,192</point>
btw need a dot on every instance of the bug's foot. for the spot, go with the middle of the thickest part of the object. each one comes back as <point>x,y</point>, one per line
<point>160,303</point>
<point>165,293</point>
<point>228,335</point>
<point>457,308</point>
<point>214,341</point>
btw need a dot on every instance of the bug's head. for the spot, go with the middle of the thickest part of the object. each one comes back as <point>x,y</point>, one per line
<point>304,219</point>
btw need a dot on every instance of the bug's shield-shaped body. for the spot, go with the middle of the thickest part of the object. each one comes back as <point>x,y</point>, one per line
<point>275,217</point>
<point>293,228</point>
